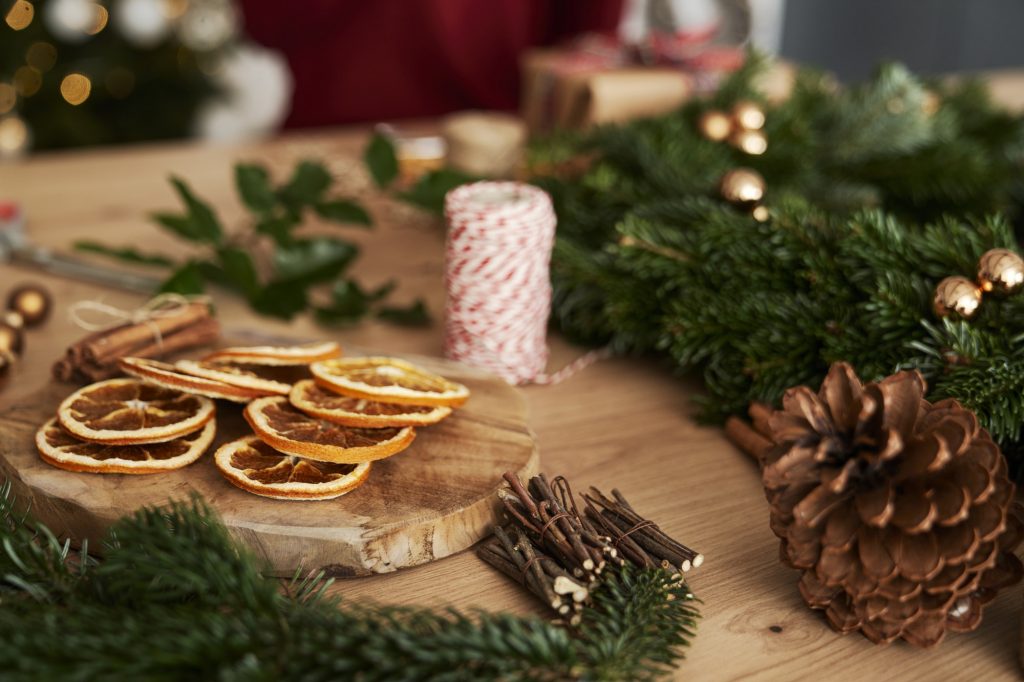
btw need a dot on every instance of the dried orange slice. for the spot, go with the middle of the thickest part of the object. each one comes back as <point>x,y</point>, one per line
<point>235,374</point>
<point>64,451</point>
<point>163,374</point>
<point>309,397</point>
<point>388,380</point>
<point>278,355</point>
<point>290,431</point>
<point>130,412</point>
<point>252,465</point>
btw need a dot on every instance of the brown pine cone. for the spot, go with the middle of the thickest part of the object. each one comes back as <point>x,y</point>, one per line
<point>898,511</point>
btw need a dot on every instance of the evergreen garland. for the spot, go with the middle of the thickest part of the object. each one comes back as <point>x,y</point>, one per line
<point>175,598</point>
<point>876,194</point>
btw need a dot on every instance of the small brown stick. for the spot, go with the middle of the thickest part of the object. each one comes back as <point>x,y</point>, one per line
<point>532,564</point>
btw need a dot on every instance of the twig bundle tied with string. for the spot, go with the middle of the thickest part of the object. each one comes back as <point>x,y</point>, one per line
<point>559,552</point>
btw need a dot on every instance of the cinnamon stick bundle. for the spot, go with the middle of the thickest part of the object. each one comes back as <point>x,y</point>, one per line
<point>94,357</point>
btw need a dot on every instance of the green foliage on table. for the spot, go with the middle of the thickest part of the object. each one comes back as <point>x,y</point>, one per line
<point>875,196</point>
<point>175,597</point>
<point>269,261</point>
<point>381,159</point>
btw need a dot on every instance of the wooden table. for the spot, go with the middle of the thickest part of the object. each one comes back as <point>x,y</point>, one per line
<point>622,423</point>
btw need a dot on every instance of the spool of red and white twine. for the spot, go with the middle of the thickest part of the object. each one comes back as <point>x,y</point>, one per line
<point>500,236</point>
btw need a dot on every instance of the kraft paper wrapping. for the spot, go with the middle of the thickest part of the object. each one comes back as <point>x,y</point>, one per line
<point>563,91</point>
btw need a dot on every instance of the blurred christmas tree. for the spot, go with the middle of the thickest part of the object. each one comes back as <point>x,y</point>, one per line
<point>86,72</point>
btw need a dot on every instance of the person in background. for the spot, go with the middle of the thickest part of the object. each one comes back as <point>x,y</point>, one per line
<point>370,60</point>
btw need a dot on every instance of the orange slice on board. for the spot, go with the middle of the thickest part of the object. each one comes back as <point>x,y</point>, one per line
<point>130,412</point>
<point>62,450</point>
<point>388,380</point>
<point>292,432</point>
<point>234,374</point>
<point>278,355</point>
<point>254,466</point>
<point>166,375</point>
<point>318,402</point>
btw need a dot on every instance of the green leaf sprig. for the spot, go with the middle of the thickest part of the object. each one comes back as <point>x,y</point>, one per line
<point>268,262</point>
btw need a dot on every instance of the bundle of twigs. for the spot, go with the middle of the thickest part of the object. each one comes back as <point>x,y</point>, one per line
<point>558,552</point>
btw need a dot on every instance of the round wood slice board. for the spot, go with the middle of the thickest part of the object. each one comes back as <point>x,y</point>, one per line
<point>430,501</point>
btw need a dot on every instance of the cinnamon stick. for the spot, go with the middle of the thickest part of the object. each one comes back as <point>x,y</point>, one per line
<point>95,356</point>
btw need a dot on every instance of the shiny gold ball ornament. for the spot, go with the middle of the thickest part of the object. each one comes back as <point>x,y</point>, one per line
<point>957,296</point>
<point>715,125</point>
<point>6,362</point>
<point>748,115</point>
<point>751,142</point>
<point>760,213</point>
<point>12,319</point>
<point>32,302</point>
<point>1000,271</point>
<point>742,186</point>
<point>12,340</point>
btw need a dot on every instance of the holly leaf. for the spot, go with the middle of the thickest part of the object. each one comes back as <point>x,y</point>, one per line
<point>239,270</point>
<point>126,254</point>
<point>350,302</point>
<point>254,187</point>
<point>307,185</point>
<point>179,225</point>
<point>343,211</point>
<point>281,299</point>
<point>201,224</point>
<point>313,260</point>
<point>429,190</point>
<point>278,229</point>
<point>382,161</point>
<point>186,280</point>
<point>413,315</point>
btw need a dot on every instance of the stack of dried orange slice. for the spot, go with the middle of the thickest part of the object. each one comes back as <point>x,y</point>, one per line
<point>314,438</point>
<point>318,442</point>
<point>129,427</point>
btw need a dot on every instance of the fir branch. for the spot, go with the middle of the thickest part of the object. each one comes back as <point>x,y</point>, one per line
<point>175,597</point>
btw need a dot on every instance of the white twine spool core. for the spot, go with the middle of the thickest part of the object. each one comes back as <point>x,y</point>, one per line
<point>498,251</point>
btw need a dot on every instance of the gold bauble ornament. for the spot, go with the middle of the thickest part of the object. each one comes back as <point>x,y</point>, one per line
<point>6,362</point>
<point>1000,271</point>
<point>12,340</point>
<point>12,319</point>
<point>957,295</point>
<point>715,125</point>
<point>760,213</point>
<point>32,302</point>
<point>751,142</point>
<point>742,186</point>
<point>748,115</point>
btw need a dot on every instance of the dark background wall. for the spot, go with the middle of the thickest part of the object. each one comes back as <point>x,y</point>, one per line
<point>850,37</point>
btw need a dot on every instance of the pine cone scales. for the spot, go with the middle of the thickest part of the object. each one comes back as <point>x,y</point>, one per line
<point>898,512</point>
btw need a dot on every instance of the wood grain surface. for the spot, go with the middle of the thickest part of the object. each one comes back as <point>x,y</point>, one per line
<point>625,422</point>
<point>434,499</point>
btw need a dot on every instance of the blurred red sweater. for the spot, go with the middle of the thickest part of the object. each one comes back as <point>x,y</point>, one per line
<point>371,60</point>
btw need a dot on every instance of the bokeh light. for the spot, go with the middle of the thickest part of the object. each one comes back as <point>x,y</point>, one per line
<point>75,88</point>
<point>27,81</point>
<point>20,15</point>
<point>41,56</point>
<point>8,97</point>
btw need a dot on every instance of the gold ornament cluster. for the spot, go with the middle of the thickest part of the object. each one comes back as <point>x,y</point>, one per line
<point>742,128</point>
<point>1000,272</point>
<point>28,305</point>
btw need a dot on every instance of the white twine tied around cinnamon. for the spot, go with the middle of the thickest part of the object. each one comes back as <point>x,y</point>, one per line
<point>497,258</point>
<point>106,316</point>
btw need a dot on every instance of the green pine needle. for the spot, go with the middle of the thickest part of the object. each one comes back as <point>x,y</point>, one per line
<point>175,597</point>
